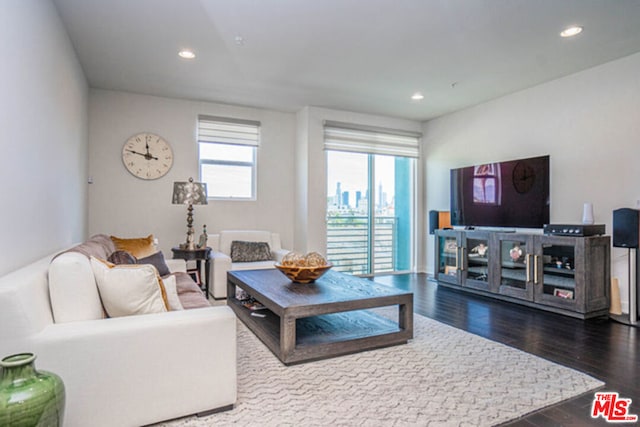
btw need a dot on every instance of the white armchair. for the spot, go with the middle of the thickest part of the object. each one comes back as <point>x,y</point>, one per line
<point>221,255</point>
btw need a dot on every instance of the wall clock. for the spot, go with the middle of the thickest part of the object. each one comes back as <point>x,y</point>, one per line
<point>147,156</point>
<point>523,177</point>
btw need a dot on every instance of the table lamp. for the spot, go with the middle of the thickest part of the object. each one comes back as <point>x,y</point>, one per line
<point>189,193</point>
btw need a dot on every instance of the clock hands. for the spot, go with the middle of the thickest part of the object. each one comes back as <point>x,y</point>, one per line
<point>147,156</point>
<point>146,144</point>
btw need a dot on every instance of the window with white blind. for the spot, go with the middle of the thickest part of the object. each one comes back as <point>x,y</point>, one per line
<point>227,152</point>
<point>370,197</point>
<point>355,138</point>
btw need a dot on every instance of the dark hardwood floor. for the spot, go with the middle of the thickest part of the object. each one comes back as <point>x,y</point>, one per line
<point>600,347</point>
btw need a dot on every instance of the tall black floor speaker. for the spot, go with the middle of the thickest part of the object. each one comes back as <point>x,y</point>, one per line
<point>626,234</point>
<point>626,228</point>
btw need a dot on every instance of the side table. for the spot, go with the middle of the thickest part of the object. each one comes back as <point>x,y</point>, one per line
<point>197,255</point>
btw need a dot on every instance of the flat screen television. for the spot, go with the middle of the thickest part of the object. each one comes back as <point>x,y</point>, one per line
<point>513,193</point>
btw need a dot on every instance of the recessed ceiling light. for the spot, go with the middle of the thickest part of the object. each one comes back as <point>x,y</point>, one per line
<point>571,31</point>
<point>186,54</point>
<point>417,96</point>
<point>239,40</point>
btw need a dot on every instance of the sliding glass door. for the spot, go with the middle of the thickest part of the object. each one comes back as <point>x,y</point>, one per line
<point>370,205</point>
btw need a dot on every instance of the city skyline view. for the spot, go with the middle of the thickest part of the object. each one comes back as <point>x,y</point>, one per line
<point>347,175</point>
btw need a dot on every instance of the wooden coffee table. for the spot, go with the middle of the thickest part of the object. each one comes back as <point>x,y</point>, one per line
<point>327,318</point>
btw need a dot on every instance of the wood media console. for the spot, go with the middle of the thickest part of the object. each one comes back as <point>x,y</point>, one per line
<point>566,275</point>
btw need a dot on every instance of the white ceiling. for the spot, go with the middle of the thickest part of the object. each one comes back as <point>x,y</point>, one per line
<point>359,55</point>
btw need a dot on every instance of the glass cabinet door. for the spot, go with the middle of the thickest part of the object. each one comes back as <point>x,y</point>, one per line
<point>556,285</point>
<point>448,261</point>
<point>516,266</point>
<point>476,261</point>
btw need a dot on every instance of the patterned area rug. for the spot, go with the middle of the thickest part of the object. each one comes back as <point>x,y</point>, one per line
<point>443,377</point>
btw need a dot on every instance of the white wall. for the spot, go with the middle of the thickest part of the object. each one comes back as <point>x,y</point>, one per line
<point>311,194</point>
<point>302,181</point>
<point>123,205</point>
<point>43,135</point>
<point>588,123</point>
<point>291,170</point>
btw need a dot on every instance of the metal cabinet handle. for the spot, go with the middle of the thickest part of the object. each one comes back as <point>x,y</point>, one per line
<point>462,258</point>
<point>528,268</point>
<point>457,250</point>
<point>535,269</point>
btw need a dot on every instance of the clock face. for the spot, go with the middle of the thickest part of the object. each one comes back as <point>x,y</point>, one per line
<point>523,177</point>
<point>147,156</point>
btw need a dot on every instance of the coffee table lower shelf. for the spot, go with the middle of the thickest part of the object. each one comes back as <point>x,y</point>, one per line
<point>323,336</point>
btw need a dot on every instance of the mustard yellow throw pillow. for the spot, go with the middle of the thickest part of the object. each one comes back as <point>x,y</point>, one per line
<point>127,290</point>
<point>139,247</point>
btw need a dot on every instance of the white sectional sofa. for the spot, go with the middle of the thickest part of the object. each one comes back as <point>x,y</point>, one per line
<point>221,255</point>
<point>125,371</point>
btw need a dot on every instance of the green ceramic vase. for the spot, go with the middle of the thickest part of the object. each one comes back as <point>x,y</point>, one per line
<point>29,397</point>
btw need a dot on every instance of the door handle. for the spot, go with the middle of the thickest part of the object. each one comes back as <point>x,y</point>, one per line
<point>528,268</point>
<point>461,258</point>
<point>535,269</point>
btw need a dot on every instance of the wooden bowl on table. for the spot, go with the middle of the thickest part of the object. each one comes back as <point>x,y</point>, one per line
<point>303,274</point>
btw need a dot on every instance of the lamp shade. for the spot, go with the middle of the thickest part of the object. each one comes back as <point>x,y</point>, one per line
<point>189,193</point>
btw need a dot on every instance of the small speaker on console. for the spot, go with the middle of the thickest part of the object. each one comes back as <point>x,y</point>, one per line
<point>439,219</point>
<point>626,228</point>
<point>433,221</point>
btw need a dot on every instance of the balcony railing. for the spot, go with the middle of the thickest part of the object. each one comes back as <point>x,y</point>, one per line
<point>348,243</point>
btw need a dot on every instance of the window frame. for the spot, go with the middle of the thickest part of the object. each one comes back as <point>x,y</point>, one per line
<point>252,165</point>
<point>372,215</point>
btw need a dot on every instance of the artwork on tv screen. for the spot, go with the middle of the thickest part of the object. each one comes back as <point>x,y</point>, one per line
<point>503,194</point>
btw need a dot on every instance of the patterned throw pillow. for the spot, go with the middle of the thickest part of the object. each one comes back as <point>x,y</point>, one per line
<point>250,251</point>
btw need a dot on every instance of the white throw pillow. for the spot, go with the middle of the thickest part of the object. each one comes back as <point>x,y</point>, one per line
<point>170,287</point>
<point>127,290</point>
